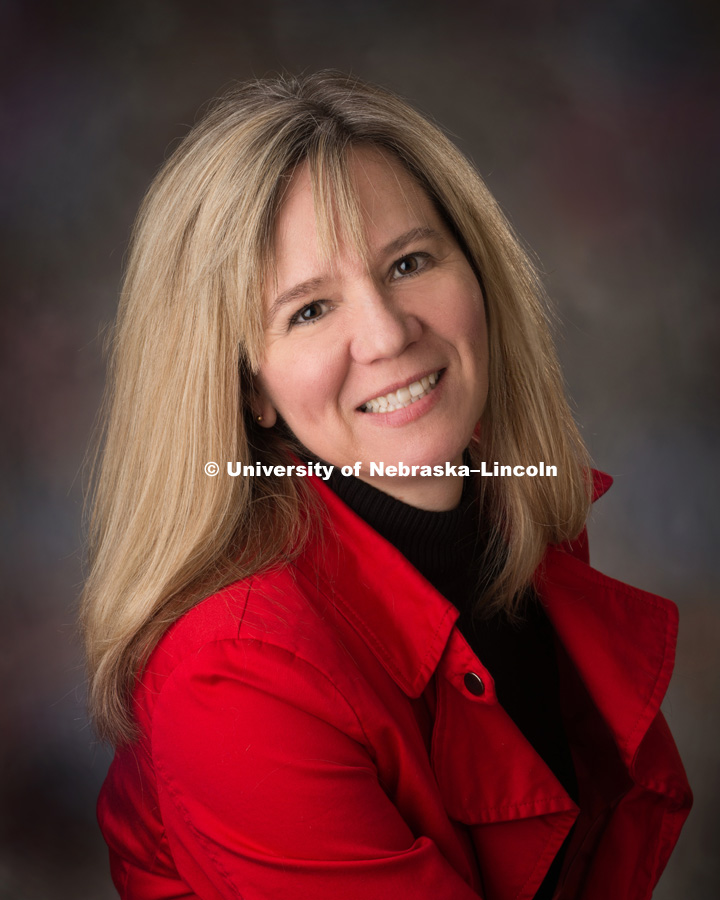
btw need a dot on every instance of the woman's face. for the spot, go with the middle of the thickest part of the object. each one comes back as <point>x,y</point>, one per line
<point>384,361</point>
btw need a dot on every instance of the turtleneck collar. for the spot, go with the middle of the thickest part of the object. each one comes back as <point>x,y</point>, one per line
<point>440,545</point>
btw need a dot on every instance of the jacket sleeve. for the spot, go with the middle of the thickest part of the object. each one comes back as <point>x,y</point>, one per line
<point>268,789</point>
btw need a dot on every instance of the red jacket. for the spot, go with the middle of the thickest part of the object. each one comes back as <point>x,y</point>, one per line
<point>313,732</point>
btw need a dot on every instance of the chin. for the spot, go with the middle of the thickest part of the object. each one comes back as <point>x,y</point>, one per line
<point>427,457</point>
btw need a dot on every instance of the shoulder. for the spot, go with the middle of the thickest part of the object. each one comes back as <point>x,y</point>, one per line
<point>259,607</point>
<point>276,631</point>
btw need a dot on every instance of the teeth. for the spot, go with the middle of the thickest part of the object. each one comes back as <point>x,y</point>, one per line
<point>403,397</point>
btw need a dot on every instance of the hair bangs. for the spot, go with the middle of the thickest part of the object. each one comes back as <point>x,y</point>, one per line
<point>338,221</point>
<point>338,215</point>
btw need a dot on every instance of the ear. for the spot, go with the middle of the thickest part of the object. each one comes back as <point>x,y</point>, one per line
<point>264,412</point>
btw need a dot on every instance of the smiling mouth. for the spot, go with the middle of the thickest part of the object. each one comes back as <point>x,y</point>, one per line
<point>404,396</point>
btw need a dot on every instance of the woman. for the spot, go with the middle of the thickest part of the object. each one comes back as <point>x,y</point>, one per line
<point>361,659</point>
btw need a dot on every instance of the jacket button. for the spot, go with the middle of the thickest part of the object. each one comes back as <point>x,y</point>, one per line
<point>474,684</point>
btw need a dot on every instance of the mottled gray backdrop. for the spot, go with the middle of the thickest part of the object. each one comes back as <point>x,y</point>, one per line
<point>595,124</point>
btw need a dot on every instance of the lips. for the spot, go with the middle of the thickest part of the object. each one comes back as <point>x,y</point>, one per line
<point>403,396</point>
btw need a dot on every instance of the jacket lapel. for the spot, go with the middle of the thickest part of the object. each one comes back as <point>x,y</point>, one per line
<point>492,780</point>
<point>621,641</point>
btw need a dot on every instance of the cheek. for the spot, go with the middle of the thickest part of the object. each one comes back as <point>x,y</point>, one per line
<point>475,317</point>
<point>464,319</point>
<point>481,333</point>
<point>473,324</point>
<point>300,385</point>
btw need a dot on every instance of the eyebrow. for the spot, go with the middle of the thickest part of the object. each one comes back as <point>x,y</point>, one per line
<point>415,234</point>
<point>295,293</point>
<point>305,288</point>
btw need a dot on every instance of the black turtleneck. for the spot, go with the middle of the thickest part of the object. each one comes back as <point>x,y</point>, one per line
<point>441,545</point>
<point>446,548</point>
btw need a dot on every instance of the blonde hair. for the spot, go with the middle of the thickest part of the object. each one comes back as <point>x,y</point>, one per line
<point>189,335</point>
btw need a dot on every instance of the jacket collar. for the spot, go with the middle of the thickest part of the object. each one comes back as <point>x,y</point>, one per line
<point>620,639</point>
<point>406,622</point>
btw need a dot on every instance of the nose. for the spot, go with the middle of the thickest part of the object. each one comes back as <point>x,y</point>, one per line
<point>381,328</point>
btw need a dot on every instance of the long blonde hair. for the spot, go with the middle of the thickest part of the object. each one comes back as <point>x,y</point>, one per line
<point>189,335</point>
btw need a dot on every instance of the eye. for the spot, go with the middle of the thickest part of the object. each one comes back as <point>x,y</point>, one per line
<point>410,265</point>
<point>310,313</point>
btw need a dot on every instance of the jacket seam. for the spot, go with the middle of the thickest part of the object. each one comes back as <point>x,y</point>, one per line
<point>653,699</point>
<point>191,657</point>
<point>359,626</point>
<point>539,801</point>
<point>200,837</point>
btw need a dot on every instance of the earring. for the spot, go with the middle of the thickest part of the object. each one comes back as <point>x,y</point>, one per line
<point>259,418</point>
